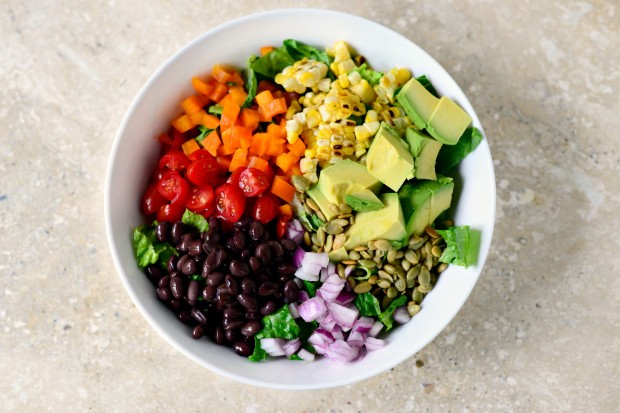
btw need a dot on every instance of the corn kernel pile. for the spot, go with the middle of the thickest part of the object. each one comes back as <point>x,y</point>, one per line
<point>327,113</point>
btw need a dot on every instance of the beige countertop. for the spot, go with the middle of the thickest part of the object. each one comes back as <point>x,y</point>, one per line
<point>540,332</point>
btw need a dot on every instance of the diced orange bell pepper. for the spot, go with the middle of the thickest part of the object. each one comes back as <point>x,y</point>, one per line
<point>282,189</point>
<point>298,148</point>
<point>183,123</point>
<point>190,147</point>
<point>286,160</point>
<point>249,118</point>
<point>239,160</point>
<point>202,87</point>
<point>219,91</point>
<point>230,112</point>
<point>212,142</point>
<point>192,105</point>
<point>258,163</point>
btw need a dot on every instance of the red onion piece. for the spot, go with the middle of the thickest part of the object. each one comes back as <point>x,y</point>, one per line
<point>376,329</point>
<point>312,309</point>
<point>305,355</point>
<point>345,297</point>
<point>291,346</point>
<point>341,352</point>
<point>401,315</point>
<point>363,325</point>
<point>294,310</point>
<point>372,343</point>
<point>273,346</point>
<point>344,316</point>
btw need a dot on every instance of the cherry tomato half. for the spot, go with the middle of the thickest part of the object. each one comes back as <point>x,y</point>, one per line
<point>200,154</point>
<point>174,159</point>
<point>173,187</point>
<point>171,212</point>
<point>229,202</point>
<point>235,176</point>
<point>265,209</point>
<point>152,200</point>
<point>200,198</point>
<point>253,182</point>
<point>208,211</point>
<point>281,226</point>
<point>202,171</point>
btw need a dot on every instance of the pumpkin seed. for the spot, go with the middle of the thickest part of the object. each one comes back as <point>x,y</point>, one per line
<point>400,272</point>
<point>308,210</point>
<point>428,261</point>
<point>425,289</point>
<point>442,267</point>
<point>378,260</point>
<point>320,215</point>
<point>413,272</point>
<point>405,265</point>
<point>342,222</point>
<point>300,183</point>
<point>345,216</point>
<point>371,246</point>
<point>410,283</point>
<point>424,278</point>
<point>438,241</point>
<point>412,308</point>
<point>383,283</point>
<point>392,292</point>
<point>320,235</point>
<point>385,276</point>
<point>412,257</point>
<point>360,248</point>
<point>416,295</point>
<point>415,242</point>
<point>329,242</point>
<point>333,228</point>
<point>307,239</point>
<point>431,232</point>
<point>373,279</point>
<point>351,282</point>
<point>349,262</point>
<point>436,251</point>
<point>315,239</point>
<point>382,245</point>
<point>391,256</point>
<point>339,241</point>
<point>400,285</point>
<point>344,208</point>
<point>315,248</point>
<point>366,263</point>
<point>333,208</point>
<point>385,303</point>
<point>362,287</point>
<point>389,268</point>
<point>400,254</point>
<point>428,248</point>
<point>365,254</point>
<point>352,220</point>
<point>354,255</point>
<point>340,270</point>
<point>310,202</point>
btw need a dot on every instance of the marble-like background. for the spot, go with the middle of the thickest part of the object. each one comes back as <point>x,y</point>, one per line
<point>541,331</point>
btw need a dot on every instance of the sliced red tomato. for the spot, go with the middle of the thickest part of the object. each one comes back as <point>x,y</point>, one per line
<point>202,171</point>
<point>265,209</point>
<point>158,173</point>
<point>177,139</point>
<point>281,226</point>
<point>235,176</point>
<point>200,197</point>
<point>171,212</point>
<point>200,154</point>
<point>152,200</point>
<point>174,159</point>
<point>208,212</point>
<point>253,182</point>
<point>173,187</point>
<point>229,202</point>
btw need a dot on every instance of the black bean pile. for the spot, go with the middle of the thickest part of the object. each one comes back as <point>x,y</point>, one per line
<point>224,282</point>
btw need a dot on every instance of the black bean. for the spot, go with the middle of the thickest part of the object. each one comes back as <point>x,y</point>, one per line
<point>243,222</point>
<point>247,301</point>
<point>239,268</point>
<point>198,331</point>
<point>175,273</point>
<point>291,291</point>
<point>286,268</point>
<point>176,304</point>
<point>268,308</point>
<point>254,264</point>
<point>176,232</point>
<point>195,248</point>
<point>171,265</point>
<point>193,290</point>
<point>219,335</point>
<point>253,315</point>
<point>267,288</point>
<point>185,317</point>
<point>214,223</point>
<point>277,248</point>
<point>198,315</point>
<point>231,284</point>
<point>189,267</point>
<point>248,286</point>
<point>232,323</point>
<point>164,293</point>
<point>233,312</point>
<point>245,254</point>
<point>216,258</point>
<point>176,287</point>
<point>213,234</point>
<point>210,246</point>
<point>239,239</point>
<point>215,278</point>
<point>242,348</point>
<point>256,230</point>
<point>283,278</point>
<point>263,252</point>
<point>162,230</point>
<point>208,292</point>
<point>164,281</point>
<point>181,261</point>
<point>288,244</point>
<point>231,335</point>
<point>155,273</point>
<point>224,297</point>
<point>183,245</point>
<point>250,328</point>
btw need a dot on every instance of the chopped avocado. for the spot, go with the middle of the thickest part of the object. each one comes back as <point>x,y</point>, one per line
<point>417,101</point>
<point>317,196</point>
<point>423,201</point>
<point>386,223</point>
<point>388,158</point>
<point>338,255</point>
<point>424,150</point>
<point>448,122</point>
<point>363,201</point>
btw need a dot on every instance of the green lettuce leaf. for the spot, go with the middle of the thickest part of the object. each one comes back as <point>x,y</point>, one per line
<point>215,110</point>
<point>195,220</point>
<point>371,76</point>
<point>148,250</point>
<point>457,245</point>
<point>451,155</point>
<point>310,287</point>
<point>316,222</point>
<point>427,84</point>
<point>367,304</point>
<point>298,50</point>
<point>251,82</point>
<point>272,63</point>
<point>204,131</point>
<point>387,317</point>
<point>259,354</point>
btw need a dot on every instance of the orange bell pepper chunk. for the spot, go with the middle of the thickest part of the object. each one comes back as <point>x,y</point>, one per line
<point>239,160</point>
<point>183,123</point>
<point>282,189</point>
<point>212,142</point>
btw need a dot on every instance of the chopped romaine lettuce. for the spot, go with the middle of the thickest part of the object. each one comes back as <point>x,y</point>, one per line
<point>367,304</point>
<point>298,50</point>
<point>457,245</point>
<point>215,110</point>
<point>251,82</point>
<point>451,155</point>
<point>310,287</point>
<point>204,131</point>
<point>195,220</point>
<point>148,250</point>
<point>387,317</point>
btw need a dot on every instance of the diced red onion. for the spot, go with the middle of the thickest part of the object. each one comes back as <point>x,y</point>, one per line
<point>298,256</point>
<point>376,329</point>
<point>363,325</point>
<point>303,296</point>
<point>345,297</point>
<point>341,352</point>
<point>348,270</point>
<point>328,322</point>
<point>312,309</point>
<point>300,273</point>
<point>337,333</point>
<point>305,355</point>
<point>273,346</point>
<point>372,343</point>
<point>323,275</point>
<point>294,310</point>
<point>332,287</point>
<point>291,346</point>
<point>320,340</point>
<point>356,339</point>
<point>401,315</point>
<point>343,315</point>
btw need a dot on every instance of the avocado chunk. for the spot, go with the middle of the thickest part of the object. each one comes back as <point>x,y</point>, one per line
<point>417,101</point>
<point>386,223</point>
<point>448,122</point>
<point>422,202</point>
<point>317,196</point>
<point>424,150</point>
<point>388,158</point>
<point>364,201</point>
<point>338,255</point>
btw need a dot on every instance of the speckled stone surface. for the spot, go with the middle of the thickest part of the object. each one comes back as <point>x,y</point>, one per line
<point>541,331</point>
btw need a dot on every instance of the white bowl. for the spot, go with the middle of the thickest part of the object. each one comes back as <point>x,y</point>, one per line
<point>135,152</point>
